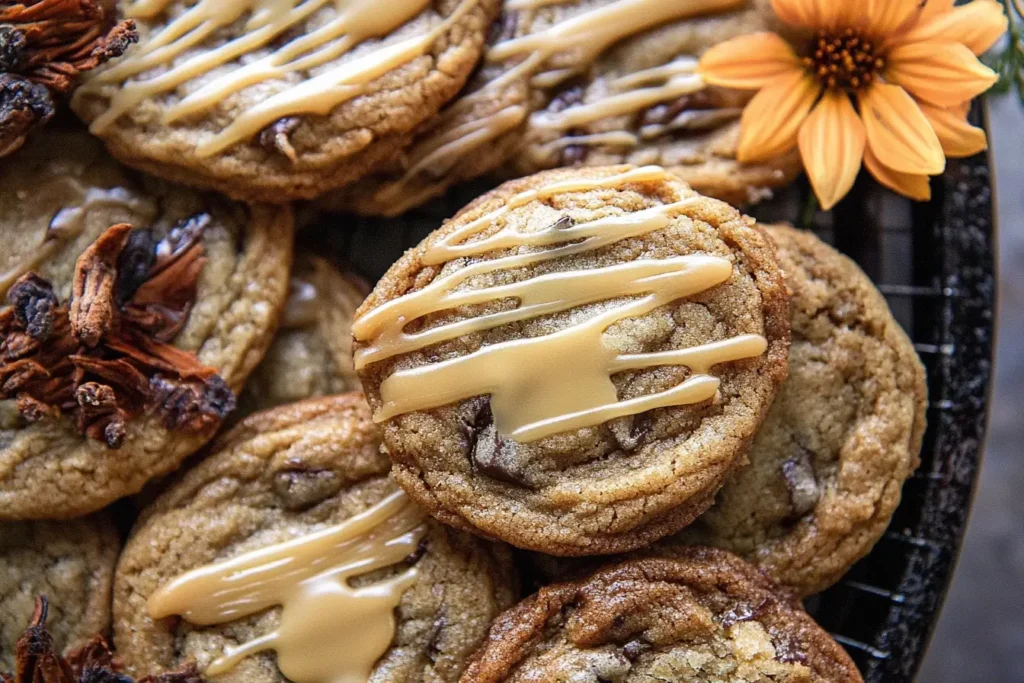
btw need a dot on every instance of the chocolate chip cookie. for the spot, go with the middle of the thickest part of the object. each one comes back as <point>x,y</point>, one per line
<point>281,479</point>
<point>133,309</point>
<point>575,362</point>
<point>704,616</point>
<point>280,101</point>
<point>643,102</point>
<point>312,352</point>
<point>844,433</point>
<point>541,50</point>
<point>72,564</point>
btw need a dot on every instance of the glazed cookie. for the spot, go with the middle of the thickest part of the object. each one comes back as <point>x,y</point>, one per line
<point>371,588</point>
<point>644,103</point>
<point>120,348</point>
<point>827,467</point>
<point>575,361</point>
<point>72,564</point>
<point>536,48</point>
<point>284,100</point>
<point>312,352</point>
<point>705,616</point>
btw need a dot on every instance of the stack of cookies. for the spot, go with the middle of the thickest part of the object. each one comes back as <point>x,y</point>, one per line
<point>598,426</point>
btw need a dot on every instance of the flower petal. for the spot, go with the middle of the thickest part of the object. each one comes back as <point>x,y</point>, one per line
<point>885,17</point>
<point>832,142</point>
<point>934,8</point>
<point>772,119</point>
<point>909,185</point>
<point>898,133</point>
<point>958,138</point>
<point>941,73</point>
<point>978,25</point>
<point>801,13</point>
<point>748,62</point>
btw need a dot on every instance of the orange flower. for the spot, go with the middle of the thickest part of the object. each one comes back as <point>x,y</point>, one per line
<point>883,83</point>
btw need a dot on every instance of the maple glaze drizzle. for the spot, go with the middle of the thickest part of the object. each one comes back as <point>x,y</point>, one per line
<point>356,21</point>
<point>329,632</point>
<point>544,385</point>
<point>585,36</point>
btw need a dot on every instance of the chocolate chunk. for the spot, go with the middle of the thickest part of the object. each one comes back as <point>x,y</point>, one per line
<point>491,453</point>
<point>798,474</point>
<point>300,489</point>
<point>134,264</point>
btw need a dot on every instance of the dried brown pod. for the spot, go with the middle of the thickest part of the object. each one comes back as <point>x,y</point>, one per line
<point>44,45</point>
<point>95,662</point>
<point>105,357</point>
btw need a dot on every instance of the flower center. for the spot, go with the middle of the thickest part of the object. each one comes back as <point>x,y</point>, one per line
<point>844,59</point>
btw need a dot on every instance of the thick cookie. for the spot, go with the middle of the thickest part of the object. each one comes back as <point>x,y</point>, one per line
<point>280,101</point>
<point>843,435</point>
<point>575,361</point>
<point>140,379</point>
<point>72,564</point>
<point>538,49</point>
<point>289,476</point>
<point>643,103</point>
<point>312,352</point>
<point>705,616</point>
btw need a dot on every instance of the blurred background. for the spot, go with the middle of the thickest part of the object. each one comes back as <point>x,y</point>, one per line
<point>980,636</point>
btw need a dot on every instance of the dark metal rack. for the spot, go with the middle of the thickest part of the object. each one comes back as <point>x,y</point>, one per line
<point>934,262</point>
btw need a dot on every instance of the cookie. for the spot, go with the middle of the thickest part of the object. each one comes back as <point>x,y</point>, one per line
<point>72,564</point>
<point>279,101</point>
<point>575,361</point>
<point>704,616</point>
<point>537,49</point>
<point>312,352</point>
<point>373,590</point>
<point>643,102</point>
<point>121,346</point>
<point>843,435</point>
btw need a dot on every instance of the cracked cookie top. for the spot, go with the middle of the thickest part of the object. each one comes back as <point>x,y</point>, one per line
<point>703,616</point>
<point>576,360</point>
<point>279,482</point>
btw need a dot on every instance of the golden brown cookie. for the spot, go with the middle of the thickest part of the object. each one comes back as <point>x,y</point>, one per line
<point>844,433</point>
<point>285,476</point>
<point>148,306</point>
<point>704,616</point>
<point>643,102</point>
<point>539,53</point>
<point>71,563</point>
<point>312,351</point>
<point>280,101</point>
<point>575,361</point>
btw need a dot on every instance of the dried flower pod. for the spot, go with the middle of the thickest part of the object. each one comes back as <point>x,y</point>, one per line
<point>106,357</point>
<point>44,45</point>
<point>95,662</point>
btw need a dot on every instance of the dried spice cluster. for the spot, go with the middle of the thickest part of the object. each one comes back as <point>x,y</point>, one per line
<point>107,358</point>
<point>38,662</point>
<point>44,45</point>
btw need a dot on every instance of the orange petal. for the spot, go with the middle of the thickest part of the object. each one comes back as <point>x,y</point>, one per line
<point>832,142</point>
<point>882,18</point>
<point>941,73</point>
<point>978,25</point>
<point>772,119</point>
<point>958,138</point>
<point>909,185</point>
<point>898,133</point>
<point>934,8</point>
<point>812,14</point>
<point>748,62</point>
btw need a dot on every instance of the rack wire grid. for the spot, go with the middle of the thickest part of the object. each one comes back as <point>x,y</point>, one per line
<point>934,262</point>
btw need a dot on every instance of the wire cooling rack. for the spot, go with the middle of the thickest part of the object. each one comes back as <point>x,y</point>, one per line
<point>934,263</point>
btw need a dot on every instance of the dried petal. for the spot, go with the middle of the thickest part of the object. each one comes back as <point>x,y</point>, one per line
<point>93,309</point>
<point>35,305</point>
